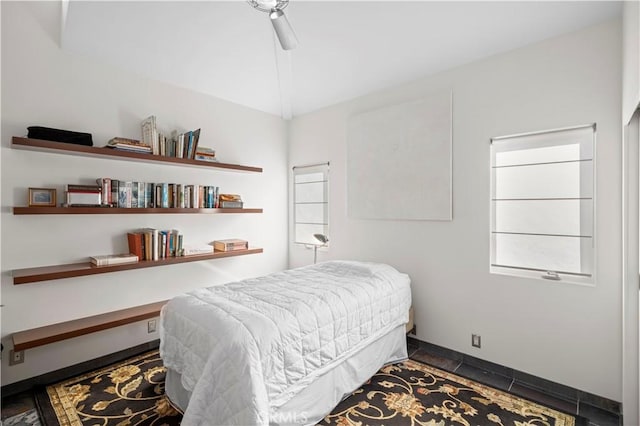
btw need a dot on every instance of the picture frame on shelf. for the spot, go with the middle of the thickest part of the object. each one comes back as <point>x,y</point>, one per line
<point>42,197</point>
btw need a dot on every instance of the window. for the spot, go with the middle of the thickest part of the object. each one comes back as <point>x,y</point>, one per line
<point>310,203</point>
<point>542,204</point>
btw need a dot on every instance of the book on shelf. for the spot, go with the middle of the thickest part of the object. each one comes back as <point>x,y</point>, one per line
<point>105,186</point>
<point>125,141</point>
<point>132,145</point>
<point>230,201</point>
<point>205,154</point>
<point>206,151</point>
<point>230,197</point>
<point>181,145</point>
<point>206,158</point>
<point>193,250</point>
<point>115,184</point>
<point>193,143</point>
<point>134,195</point>
<point>230,244</point>
<point>137,244</point>
<point>113,259</point>
<point>150,134</point>
<point>231,204</point>
<point>154,244</point>
<point>112,192</point>
<point>83,195</point>
<point>124,194</point>
<point>83,188</point>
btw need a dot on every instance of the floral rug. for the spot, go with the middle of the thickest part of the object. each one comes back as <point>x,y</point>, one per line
<point>412,393</point>
<point>408,393</point>
<point>129,393</point>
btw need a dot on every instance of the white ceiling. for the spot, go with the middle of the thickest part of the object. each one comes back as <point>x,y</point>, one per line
<point>346,49</point>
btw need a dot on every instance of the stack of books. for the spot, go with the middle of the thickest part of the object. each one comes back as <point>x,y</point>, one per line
<point>230,244</point>
<point>131,145</point>
<point>83,196</point>
<point>206,154</point>
<point>113,259</point>
<point>230,201</point>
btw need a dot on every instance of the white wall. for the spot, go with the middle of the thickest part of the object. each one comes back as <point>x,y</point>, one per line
<point>562,332</point>
<point>630,59</point>
<point>630,103</point>
<point>630,252</point>
<point>43,85</point>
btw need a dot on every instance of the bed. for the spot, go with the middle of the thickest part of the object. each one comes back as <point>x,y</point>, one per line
<point>285,348</point>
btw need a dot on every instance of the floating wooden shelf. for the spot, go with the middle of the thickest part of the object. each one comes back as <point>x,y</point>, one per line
<point>115,210</point>
<point>91,151</point>
<point>66,330</point>
<point>55,272</point>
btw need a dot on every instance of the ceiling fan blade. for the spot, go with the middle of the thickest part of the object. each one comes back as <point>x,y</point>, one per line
<point>283,29</point>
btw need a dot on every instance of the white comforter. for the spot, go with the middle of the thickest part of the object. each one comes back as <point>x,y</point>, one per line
<point>245,348</point>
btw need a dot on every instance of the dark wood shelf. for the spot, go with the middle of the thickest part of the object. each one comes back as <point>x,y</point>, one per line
<point>115,210</point>
<point>56,272</point>
<point>71,149</point>
<point>66,330</point>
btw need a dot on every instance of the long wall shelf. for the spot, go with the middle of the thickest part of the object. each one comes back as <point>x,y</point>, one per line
<point>91,151</point>
<point>55,272</point>
<point>115,210</point>
<point>66,330</point>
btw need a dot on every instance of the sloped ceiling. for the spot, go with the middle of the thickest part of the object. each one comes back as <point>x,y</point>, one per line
<point>346,49</point>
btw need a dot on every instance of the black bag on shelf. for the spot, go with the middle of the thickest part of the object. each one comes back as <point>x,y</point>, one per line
<point>57,135</point>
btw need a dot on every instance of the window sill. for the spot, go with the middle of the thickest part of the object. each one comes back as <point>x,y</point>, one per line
<point>537,275</point>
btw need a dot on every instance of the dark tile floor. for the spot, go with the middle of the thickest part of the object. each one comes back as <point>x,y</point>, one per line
<point>15,405</point>
<point>24,402</point>
<point>596,416</point>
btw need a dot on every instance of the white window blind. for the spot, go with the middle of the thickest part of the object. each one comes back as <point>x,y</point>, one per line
<point>542,204</point>
<point>310,202</point>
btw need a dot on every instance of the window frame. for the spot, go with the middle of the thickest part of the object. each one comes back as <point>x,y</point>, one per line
<point>537,273</point>
<point>309,169</point>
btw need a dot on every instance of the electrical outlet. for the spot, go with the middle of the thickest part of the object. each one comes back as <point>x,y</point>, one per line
<point>151,326</point>
<point>475,340</point>
<point>16,358</point>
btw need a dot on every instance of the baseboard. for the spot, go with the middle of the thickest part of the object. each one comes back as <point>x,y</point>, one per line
<point>547,386</point>
<point>75,370</point>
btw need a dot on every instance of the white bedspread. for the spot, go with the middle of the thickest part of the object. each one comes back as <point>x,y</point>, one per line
<point>246,348</point>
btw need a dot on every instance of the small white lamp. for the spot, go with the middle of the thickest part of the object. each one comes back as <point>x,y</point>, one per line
<point>324,240</point>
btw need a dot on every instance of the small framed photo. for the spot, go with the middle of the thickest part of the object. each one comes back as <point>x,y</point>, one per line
<point>42,197</point>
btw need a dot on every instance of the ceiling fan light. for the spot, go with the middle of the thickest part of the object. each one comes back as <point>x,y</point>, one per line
<point>283,29</point>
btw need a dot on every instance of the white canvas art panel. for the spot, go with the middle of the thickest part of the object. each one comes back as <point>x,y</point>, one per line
<point>399,161</point>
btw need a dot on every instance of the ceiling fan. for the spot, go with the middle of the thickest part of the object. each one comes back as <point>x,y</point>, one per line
<point>283,29</point>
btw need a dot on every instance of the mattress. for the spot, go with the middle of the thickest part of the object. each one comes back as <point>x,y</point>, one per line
<point>244,350</point>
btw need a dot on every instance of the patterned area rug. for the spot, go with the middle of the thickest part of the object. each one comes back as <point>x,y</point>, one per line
<point>128,393</point>
<point>412,393</point>
<point>408,393</point>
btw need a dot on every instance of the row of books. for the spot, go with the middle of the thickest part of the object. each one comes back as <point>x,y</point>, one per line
<point>131,194</point>
<point>183,145</point>
<point>154,244</point>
